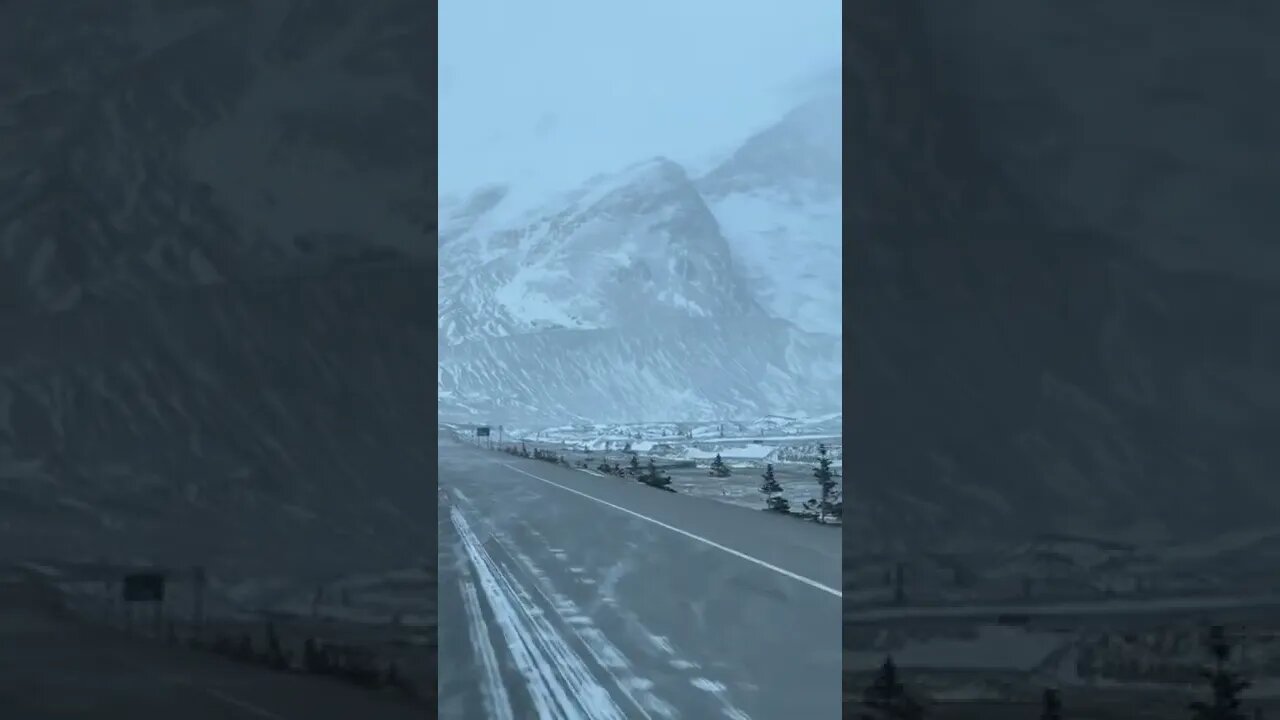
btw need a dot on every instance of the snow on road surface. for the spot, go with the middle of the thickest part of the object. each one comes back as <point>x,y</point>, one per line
<point>559,682</point>
<point>575,597</point>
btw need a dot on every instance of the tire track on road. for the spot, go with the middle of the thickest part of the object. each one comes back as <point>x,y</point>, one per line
<point>560,684</point>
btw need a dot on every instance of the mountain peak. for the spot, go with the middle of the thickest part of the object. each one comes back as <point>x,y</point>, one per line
<point>777,201</point>
<point>657,175</point>
<point>625,297</point>
<point>801,151</point>
<point>657,169</point>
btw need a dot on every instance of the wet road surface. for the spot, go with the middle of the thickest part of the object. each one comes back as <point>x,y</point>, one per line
<point>568,595</point>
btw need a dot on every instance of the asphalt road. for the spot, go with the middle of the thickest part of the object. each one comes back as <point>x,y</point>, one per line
<point>54,667</point>
<point>567,595</point>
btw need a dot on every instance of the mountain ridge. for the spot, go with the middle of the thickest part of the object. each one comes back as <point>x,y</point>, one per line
<point>214,224</point>
<point>638,253</point>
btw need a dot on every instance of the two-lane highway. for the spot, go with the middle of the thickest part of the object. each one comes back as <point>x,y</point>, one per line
<point>568,595</point>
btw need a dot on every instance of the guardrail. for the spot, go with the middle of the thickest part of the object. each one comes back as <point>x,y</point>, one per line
<point>280,642</point>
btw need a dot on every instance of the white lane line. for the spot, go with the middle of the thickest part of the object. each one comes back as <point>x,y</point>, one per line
<point>241,704</point>
<point>216,694</point>
<point>497,703</point>
<point>768,566</point>
<point>607,655</point>
<point>559,682</point>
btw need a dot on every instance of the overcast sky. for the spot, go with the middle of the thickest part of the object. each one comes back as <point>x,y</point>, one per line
<point>550,92</point>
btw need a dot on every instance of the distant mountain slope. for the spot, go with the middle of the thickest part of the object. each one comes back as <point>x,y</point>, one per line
<point>625,299</point>
<point>618,301</point>
<point>205,423</point>
<point>214,282</point>
<point>778,202</point>
<point>679,368</point>
<point>624,249</point>
<point>1017,373</point>
<point>151,145</point>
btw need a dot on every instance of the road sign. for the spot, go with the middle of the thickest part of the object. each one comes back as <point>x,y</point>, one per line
<point>143,587</point>
<point>482,431</point>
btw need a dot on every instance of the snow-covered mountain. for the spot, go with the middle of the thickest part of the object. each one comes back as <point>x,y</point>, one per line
<point>777,200</point>
<point>623,251</point>
<point>626,299</point>
<point>213,215</point>
<point>158,145</point>
<point>1029,355</point>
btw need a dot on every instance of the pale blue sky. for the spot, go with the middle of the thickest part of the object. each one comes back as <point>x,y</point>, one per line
<point>550,92</point>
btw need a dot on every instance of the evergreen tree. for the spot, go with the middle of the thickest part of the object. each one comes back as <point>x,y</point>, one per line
<point>653,478</point>
<point>826,482</point>
<point>244,649</point>
<point>314,659</point>
<point>1226,685</point>
<point>836,506</point>
<point>635,464</point>
<point>276,655</point>
<point>718,468</point>
<point>1051,705</point>
<point>772,491</point>
<point>888,695</point>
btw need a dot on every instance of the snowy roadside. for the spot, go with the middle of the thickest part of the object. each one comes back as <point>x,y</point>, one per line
<point>391,615</point>
<point>690,466</point>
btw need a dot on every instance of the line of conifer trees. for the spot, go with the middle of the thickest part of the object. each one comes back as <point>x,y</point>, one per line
<point>887,697</point>
<point>828,505</point>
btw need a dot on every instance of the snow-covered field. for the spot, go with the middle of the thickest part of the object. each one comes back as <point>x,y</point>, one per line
<point>392,614</point>
<point>1110,624</point>
<point>988,671</point>
<point>768,425</point>
<point>753,443</point>
<point>987,647</point>
<point>685,450</point>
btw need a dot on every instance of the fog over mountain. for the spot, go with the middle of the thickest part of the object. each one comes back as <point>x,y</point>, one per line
<point>649,294</point>
<point>541,96</point>
<point>212,217</point>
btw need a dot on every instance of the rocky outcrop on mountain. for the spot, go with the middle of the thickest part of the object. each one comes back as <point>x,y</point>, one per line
<point>214,281</point>
<point>638,247</point>
<point>620,301</point>
<point>680,367</point>
<point>161,145</point>
<point>1064,303</point>
<point>222,423</point>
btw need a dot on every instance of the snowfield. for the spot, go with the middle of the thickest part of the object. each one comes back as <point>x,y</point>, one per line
<point>792,448</point>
